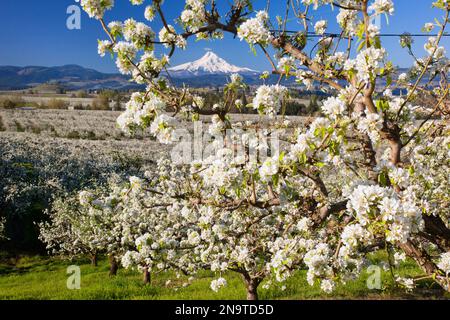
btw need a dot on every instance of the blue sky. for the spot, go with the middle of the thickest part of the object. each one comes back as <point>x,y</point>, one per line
<point>34,33</point>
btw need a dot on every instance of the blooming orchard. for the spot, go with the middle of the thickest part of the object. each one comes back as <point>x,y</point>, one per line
<point>371,174</point>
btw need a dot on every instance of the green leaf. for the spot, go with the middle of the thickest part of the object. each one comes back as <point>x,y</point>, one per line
<point>275,179</point>
<point>303,158</point>
<point>361,46</point>
<point>377,43</point>
<point>320,164</point>
<point>383,179</point>
<point>389,80</point>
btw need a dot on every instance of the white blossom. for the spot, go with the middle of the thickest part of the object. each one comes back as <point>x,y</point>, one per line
<point>96,8</point>
<point>217,284</point>
<point>383,6</point>
<point>320,27</point>
<point>444,263</point>
<point>255,30</point>
<point>269,99</point>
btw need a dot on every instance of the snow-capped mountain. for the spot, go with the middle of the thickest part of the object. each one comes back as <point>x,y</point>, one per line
<point>209,64</point>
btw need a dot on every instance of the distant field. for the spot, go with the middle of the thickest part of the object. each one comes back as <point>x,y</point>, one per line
<point>80,136</point>
<point>86,124</point>
<point>45,278</point>
<point>45,99</point>
<point>94,125</point>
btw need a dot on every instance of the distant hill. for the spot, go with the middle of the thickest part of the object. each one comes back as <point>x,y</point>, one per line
<point>208,71</point>
<point>72,77</point>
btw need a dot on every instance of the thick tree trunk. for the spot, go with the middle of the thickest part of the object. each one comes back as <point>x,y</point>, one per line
<point>94,261</point>
<point>251,285</point>
<point>252,292</point>
<point>396,147</point>
<point>113,266</point>
<point>147,277</point>
<point>436,228</point>
<point>421,257</point>
<point>424,261</point>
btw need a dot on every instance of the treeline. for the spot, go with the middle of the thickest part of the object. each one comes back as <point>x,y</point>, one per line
<point>105,100</point>
<point>299,104</point>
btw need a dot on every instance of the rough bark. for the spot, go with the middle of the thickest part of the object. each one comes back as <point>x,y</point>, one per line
<point>94,260</point>
<point>413,250</point>
<point>146,276</point>
<point>280,43</point>
<point>396,146</point>
<point>113,266</point>
<point>251,285</point>
<point>435,227</point>
<point>328,210</point>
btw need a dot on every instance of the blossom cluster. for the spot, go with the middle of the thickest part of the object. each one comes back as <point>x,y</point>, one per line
<point>367,64</point>
<point>316,3</point>
<point>377,205</point>
<point>169,36</point>
<point>444,263</point>
<point>318,262</point>
<point>334,107</point>
<point>269,99</point>
<point>383,6</point>
<point>96,8</point>
<point>320,27</point>
<point>255,30</point>
<point>145,111</point>
<point>193,17</point>
<point>347,20</point>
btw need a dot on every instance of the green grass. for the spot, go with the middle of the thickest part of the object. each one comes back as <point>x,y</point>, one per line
<point>35,277</point>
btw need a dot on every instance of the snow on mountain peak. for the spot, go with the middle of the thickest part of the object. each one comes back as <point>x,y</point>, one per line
<point>210,63</point>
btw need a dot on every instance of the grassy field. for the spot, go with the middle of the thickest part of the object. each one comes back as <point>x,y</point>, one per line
<point>35,277</point>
